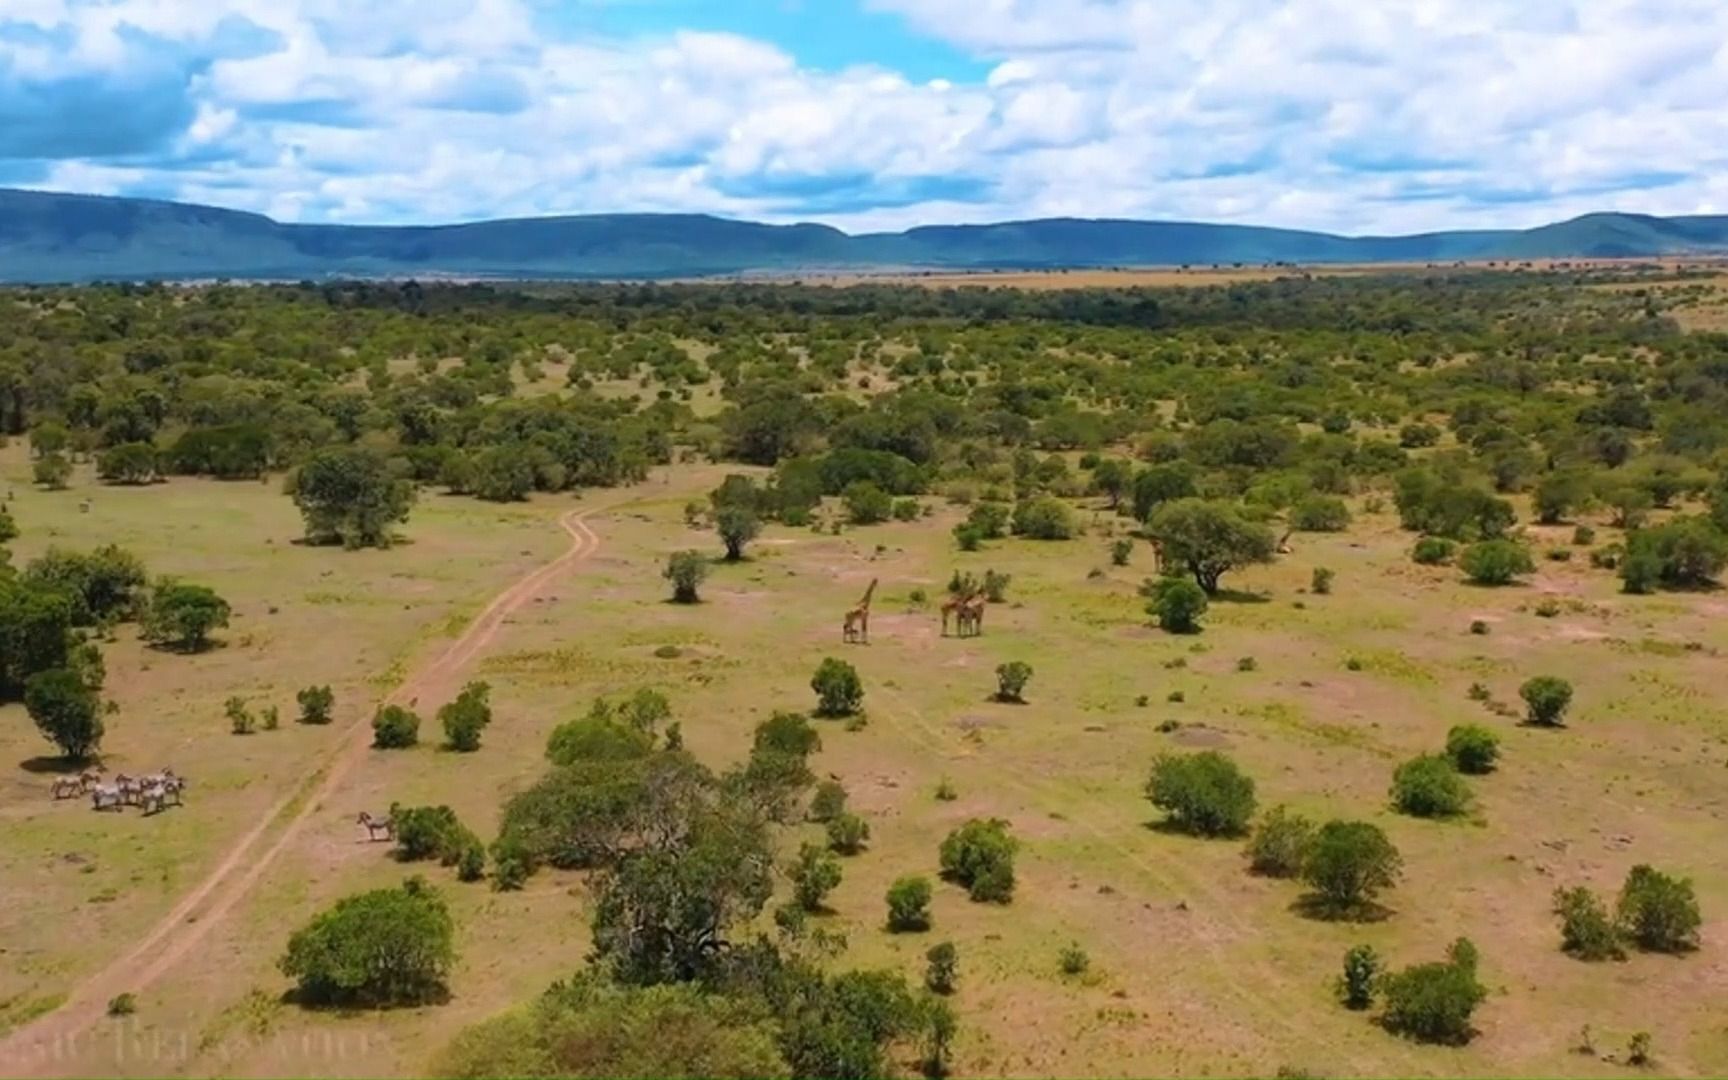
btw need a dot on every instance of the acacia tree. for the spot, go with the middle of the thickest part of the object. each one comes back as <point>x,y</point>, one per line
<point>1209,538</point>
<point>686,570</point>
<point>181,616</point>
<point>65,711</point>
<point>348,495</point>
<point>386,947</point>
<point>737,526</point>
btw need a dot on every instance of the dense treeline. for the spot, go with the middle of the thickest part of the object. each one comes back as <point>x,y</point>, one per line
<point>1445,390</point>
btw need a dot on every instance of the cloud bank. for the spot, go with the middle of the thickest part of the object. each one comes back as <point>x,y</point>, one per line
<point>1392,116</point>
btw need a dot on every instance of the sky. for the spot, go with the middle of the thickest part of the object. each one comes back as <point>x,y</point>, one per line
<point>1353,116</point>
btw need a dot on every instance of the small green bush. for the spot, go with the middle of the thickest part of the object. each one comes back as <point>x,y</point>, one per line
<point>1280,844</point>
<point>943,966</point>
<point>1586,929</point>
<point>1073,960</point>
<point>980,856</point>
<point>1432,551</point>
<point>909,905</point>
<point>1361,971</point>
<point>395,728</point>
<point>1547,699</point>
<point>1204,793</point>
<point>1428,786</point>
<point>1473,749</point>
<point>1658,913</point>
<point>848,833</point>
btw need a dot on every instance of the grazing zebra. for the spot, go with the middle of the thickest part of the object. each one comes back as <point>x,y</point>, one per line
<point>376,828</point>
<point>152,799</point>
<point>130,788</point>
<point>65,787</point>
<point>106,796</point>
<point>89,778</point>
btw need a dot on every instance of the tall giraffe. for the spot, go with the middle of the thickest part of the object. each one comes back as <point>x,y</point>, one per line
<point>955,605</point>
<point>856,627</point>
<point>971,615</point>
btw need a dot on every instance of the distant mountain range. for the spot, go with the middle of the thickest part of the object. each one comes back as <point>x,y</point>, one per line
<point>51,237</point>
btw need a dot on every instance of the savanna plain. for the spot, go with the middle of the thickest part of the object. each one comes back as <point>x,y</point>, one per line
<point>1311,676</point>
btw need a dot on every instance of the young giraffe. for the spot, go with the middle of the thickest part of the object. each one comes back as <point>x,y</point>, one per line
<point>856,627</point>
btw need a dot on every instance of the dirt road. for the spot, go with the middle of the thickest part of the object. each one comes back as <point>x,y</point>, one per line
<point>47,1044</point>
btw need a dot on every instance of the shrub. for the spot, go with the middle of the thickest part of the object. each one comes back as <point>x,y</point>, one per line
<point>271,717</point>
<point>814,874</point>
<point>1496,562</point>
<point>598,736</point>
<point>848,833</point>
<point>395,728</point>
<point>122,1005</point>
<point>980,856</point>
<point>1321,583</point>
<point>1247,663</point>
<point>430,832</point>
<point>1320,513</point>
<point>1658,913</point>
<point>1120,551</point>
<point>1434,1002</point>
<point>1348,863</point>
<point>1361,970</point>
<point>1685,553</point>
<point>466,717</point>
<point>386,947</point>
<point>1638,1049</point>
<point>240,718</point>
<point>1073,960</point>
<point>1428,786</point>
<point>1204,794</point>
<point>829,802</point>
<point>1547,698</point>
<point>1280,844</point>
<point>1586,930</point>
<point>943,963</point>
<point>839,691</point>
<point>1472,749</point>
<point>1043,517</point>
<point>995,586</point>
<point>1583,536</point>
<point>1176,603</point>
<point>788,733</point>
<point>1432,551</point>
<point>52,471</point>
<point>1547,608</point>
<point>989,519</point>
<point>1011,679</point>
<point>1479,627</point>
<point>968,538</point>
<point>945,790</point>
<point>909,905</point>
<point>907,509</point>
<point>316,704</point>
<point>866,504</point>
<point>686,570</point>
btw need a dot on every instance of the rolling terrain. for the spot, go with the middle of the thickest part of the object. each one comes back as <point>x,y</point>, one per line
<point>52,237</point>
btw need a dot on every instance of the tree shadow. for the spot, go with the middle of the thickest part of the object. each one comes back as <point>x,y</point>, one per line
<point>353,1008</point>
<point>56,765</point>
<point>1239,596</point>
<point>1172,827</point>
<point>1319,908</point>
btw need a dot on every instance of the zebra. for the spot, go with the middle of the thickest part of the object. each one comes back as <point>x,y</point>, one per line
<point>152,798</point>
<point>130,788</point>
<point>106,796</point>
<point>66,787</point>
<point>376,828</point>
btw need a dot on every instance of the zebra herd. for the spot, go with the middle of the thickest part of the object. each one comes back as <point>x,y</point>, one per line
<point>151,793</point>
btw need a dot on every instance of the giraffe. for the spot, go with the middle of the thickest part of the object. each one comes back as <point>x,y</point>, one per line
<point>971,616</point>
<point>955,605</point>
<point>856,627</point>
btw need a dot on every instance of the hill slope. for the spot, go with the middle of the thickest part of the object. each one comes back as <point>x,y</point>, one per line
<point>46,237</point>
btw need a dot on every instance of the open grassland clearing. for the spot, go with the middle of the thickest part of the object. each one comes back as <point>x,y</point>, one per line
<point>1196,965</point>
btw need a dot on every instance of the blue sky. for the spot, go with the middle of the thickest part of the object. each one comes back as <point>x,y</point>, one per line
<point>1392,116</point>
